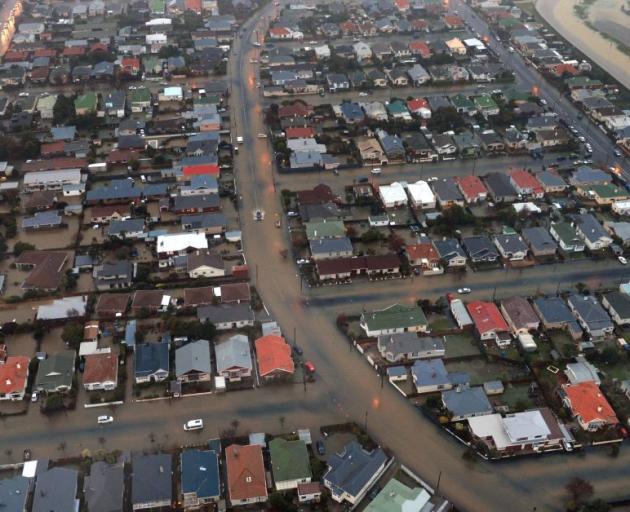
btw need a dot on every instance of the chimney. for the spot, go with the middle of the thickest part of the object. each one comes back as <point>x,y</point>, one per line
<point>600,408</point>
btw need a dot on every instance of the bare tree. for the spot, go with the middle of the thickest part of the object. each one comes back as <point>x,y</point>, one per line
<point>579,491</point>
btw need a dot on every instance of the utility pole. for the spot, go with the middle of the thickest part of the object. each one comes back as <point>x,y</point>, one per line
<point>366,418</point>
<point>437,487</point>
<point>294,336</point>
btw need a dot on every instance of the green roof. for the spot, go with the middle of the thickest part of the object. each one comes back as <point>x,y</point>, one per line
<point>394,317</point>
<point>87,101</point>
<point>397,497</point>
<point>565,231</point>
<point>485,101</point>
<point>397,107</point>
<point>157,6</point>
<point>608,191</point>
<point>140,95</point>
<point>330,229</point>
<point>513,94</point>
<point>289,460</point>
<point>508,22</point>
<point>462,101</point>
<point>56,371</point>
<point>582,81</point>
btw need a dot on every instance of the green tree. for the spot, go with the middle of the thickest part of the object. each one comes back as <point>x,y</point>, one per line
<point>72,334</point>
<point>63,111</point>
<point>20,247</point>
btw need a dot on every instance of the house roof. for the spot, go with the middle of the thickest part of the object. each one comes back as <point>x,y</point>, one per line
<point>331,245</point>
<point>352,468</point>
<point>151,478</point>
<point>245,472</point>
<point>523,179</point>
<point>103,488</point>
<point>423,252</point>
<point>520,312</point>
<point>235,292</point>
<point>588,402</point>
<point>397,497</point>
<point>109,303</point>
<point>467,401</point>
<point>14,492</point>
<point>100,368</point>
<point>403,343</point>
<point>233,353</point>
<point>486,316</point>
<point>204,259</point>
<point>319,194</point>
<point>289,460</point>
<point>56,490</point>
<point>395,316</point>
<point>619,303</point>
<point>194,357</point>
<point>590,311</point>
<point>46,272</point>
<point>449,248</point>
<point>274,355</point>
<point>56,370</point>
<point>198,296</point>
<point>327,229</point>
<point>13,374</point>
<point>151,357</point>
<point>225,313</point>
<point>539,239</point>
<point>200,473</point>
<point>446,190</point>
<point>472,187</point>
<point>176,242</point>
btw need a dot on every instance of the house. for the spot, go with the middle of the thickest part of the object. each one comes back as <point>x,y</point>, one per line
<point>233,358</point>
<point>342,268</point>
<point>421,195</point>
<point>394,319</point>
<point>151,362</point>
<point>207,223</point>
<point>397,110</point>
<point>489,323</point>
<point>591,315</point>
<point>192,362</point>
<point>464,402</point>
<point>352,471</point>
<point>535,431</point>
<point>480,249</point>
<point>200,478</point>
<point>472,188</point>
<point>424,256</point>
<point>451,253</point>
<point>327,248</point>
<point>463,104</point>
<point>112,305</point>
<point>63,309</point>
<point>393,195</point>
<point>467,144</point>
<point>500,188</point>
<point>418,148</point>
<point>418,75</point>
<point>519,315</point>
<point>56,372</point>
<point>100,372</point>
<point>325,230</point>
<point>290,463</point>
<point>407,346</point>
<point>227,316</point>
<point>13,378</point>
<point>567,237</point>
<point>430,375</point>
<point>246,483</point>
<point>485,105</point>
<point>337,82</point>
<point>392,146</point>
<point>551,182</point>
<point>618,306</point>
<point>591,232</point>
<point>540,242</point>
<point>274,357</point>
<point>86,103</point>
<point>526,184</point>
<point>511,247</point>
<point>56,490</point>
<point>582,371</point>
<point>151,481</point>
<point>126,228</point>
<point>204,265</point>
<point>111,276</point>
<point>606,194</point>
<point>588,406</point>
<point>235,292</point>
<point>178,244</point>
<point>371,151</point>
<point>555,314</point>
<point>447,193</point>
<point>104,487</point>
<point>585,176</point>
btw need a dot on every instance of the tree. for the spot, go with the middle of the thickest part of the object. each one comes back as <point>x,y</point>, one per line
<point>63,111</point>
<point>396,243</point>
<point>20,247</point>
<point>280,503</point>
<point>597,505</point>
<point>444,119</point>
<point>579,491</point>
<point>72,334</point>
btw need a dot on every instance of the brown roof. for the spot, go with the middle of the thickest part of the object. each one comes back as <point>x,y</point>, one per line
<point>112,303</point>
<point>309,488</point>
<point>55,164</point>
<point>100,368</point>
<point>358,264</point>
<point>202,259</point>
<point>520,312</point>
<point>46,271</point>
<point>40,199</point>
<point>318,195</point>
<point>235,292</point>
<point>108,210</point>
<point>150,299</point>
<point>245,472</point>
<point>194,297</point>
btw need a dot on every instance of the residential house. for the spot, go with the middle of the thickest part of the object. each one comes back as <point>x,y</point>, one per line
<point>589,406</point>
<point>591,315</point>
<point>100,372</point>
<point>227,316</point>
<point>466,402</point>
<point>151,361</point>
<point>418,147</point>
<point>337,82</point>
<point>618,306</point>
<point>551,182</point>
<point>480,249</point>
<point>56,490</point>
<point>151,481</point>
<point>500,188</point>
<point>582,371</point>
<point>567,237</point>
<point>290,463</point>
<point>14,372</point>
<point>407,346</point>
<point>104,487</point>
<point>192,362</point>
<point>371,151</point>
<point>394,319</point>
<point>328,248</point>
<point>450,252</point>
<point>421,195</point>
<point>397,497</point>
<point>472,188</point>
<point>56,372</point>
<point>430,376</point>
<point>467,144</point>
<point>591,232</point>
<point>519,315</point>
<point>233,358</point>
<point>325,230</point>
<point>511,247</point>
<point>393,195</point>
<point>246,482</point>
<point>447,193</point>
<point>526,184</point>
<point>110,276</point>
<point>424,256</point>
<point>540,242</point>
<point>555,314</point>
<point>274,357</point>
<point>491,142</point>
<point>200,478</point>
<point>204,265</point>
<point>392,146</point>
<point>489,323</point>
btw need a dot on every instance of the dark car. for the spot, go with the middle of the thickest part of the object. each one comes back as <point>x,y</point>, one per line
<point>321,449</point>
<point>298,350</point>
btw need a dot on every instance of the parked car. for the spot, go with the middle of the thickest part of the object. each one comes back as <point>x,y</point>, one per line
<point>103,420</point>
<point>622,260</point>
<point>34,396</point>
<point>298,350</point>
<point>376,171</point>
<point>193,425</point>
<point>309,367</point>
<point>321,449</point>
<point>463,291</point>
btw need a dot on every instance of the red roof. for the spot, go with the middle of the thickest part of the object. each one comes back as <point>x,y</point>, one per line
<point>235,292</point>
<point>588,402</point>
<point>100,368</point>
<point>13,374</point>
<point>402,5</point>
<point>295,109</point>
<point>420,47</point>
<point>52,148</point>
<point>299,132</point>
<point>348,26</point>
<point>279,31</point>
<point>98,47</point>
<point>319,194</point>
<point>453,21</point>
<point>193,5</point>
<point>16,55</point>
<point>122,156</point>
<point>472,187</point>
<point>523,180</point>
<point>274,356</point>
<point>416,104</point>
<point>130,63</point>
<point>487,317</point>
<point>245,472</point>
<point>422,251</point>
<point>419,24</point>
<point>196,170</point>
<point>55,164</point>
<point>560,69</point>
<point>45,52</point>
<point>73,51</point>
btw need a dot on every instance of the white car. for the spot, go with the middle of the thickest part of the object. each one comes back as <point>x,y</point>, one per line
<point>302,262</point>
<point>363,93</point>
<point>262,135</point>
<point>376,171</point>
<point>23,94</point>
<point>463,291</point>
<point>581,138</point>
<point>34,396</point>
<point>193,425</point>
<point>622,260</point>
<point>103,420</point>
<point>432,179</point>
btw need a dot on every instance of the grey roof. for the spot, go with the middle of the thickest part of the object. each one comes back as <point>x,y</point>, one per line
<point>233,352</point>
<point>478,247</point>
<point>539,239</point>
<point>590,227</point>
<point>449,248</point>
<point>225,313</point>
<point>193,358</point>
<point>151,478</point>
<point>49,218</point>
<point>352,468</point>
<point>117,227</point>
<point>200,201</point>
<point>103,488</point>
<point>620,303</point>
<point>56,490</point>
<point>432,372</point>
<point>63,132</point>
<point>586,175</point>
<point>352,111</point>
<point>331,245</point>
<point>404,343</point>
<point>551,179</point>
<point>467,401</point>
<point>14,493</point>
<point>203,221</point>
<point>200,473</point>
<point>118,269</point>
<point>511,243</point>
<point>553,310</point>
<point>446,189</point>
<point>391,143</point>
<point>499,186</point>
<point>591,312</point>
<point>151,357</point>
<point>117,189</point>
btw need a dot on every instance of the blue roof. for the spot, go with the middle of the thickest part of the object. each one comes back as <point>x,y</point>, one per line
<point>467,401</point>
<point>151,357</point>
<point>130,333</point>
<point>200,473</point>
<point>351,469</point>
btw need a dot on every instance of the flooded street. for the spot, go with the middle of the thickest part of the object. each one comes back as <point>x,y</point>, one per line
<point>608,17</point>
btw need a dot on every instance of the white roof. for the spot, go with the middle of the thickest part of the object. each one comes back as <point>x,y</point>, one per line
<point>176,242</point>
<point>88,348</point>
<point>155,38</point>
<point>66,175</point>
<point>526,426</point>
<point>58,309</point>
<point>530,207</point>
<point>394,193</point>
<point>420,192</point>
<point>29,470</point>
<point>173,91</point>
<point>527,341</point>
<point>158,21</point>
<point>473,41</point>
<point>305,144</point>
<point>166,300</point>
<point>490,425</point>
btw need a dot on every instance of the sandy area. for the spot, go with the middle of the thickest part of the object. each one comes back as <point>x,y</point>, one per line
<point>561,15</point>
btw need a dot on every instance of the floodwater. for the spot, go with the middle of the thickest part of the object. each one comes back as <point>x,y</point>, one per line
<point>608,17</point>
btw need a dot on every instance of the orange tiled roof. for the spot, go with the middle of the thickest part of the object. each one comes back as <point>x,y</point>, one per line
<point>13,374</point>
<point>245,472</point>
<point>274,355</point>
<point>588,402</point>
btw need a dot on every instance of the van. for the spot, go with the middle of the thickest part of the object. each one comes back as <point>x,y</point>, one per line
<point>193,425</point>
<point>376,170</point>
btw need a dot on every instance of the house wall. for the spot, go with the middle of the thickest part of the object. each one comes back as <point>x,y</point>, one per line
<point>96,386</point>
<point>206,272</point>
<point>290,484</point>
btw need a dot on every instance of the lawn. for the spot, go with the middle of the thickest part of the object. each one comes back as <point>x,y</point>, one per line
<point>441,323</point>
<point>461,345</point>
<point>516,397</point>
<point>481,371</point>
<point>563,343</point>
